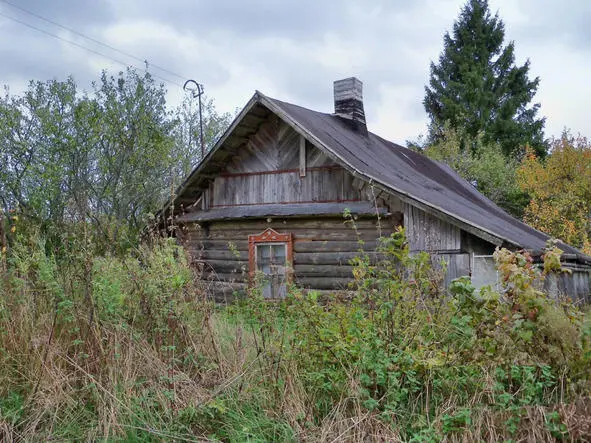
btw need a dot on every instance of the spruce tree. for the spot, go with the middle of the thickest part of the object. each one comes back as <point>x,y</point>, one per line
<point>477,88</point>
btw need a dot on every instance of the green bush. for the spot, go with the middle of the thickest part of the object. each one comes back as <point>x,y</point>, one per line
<point>128,347</point>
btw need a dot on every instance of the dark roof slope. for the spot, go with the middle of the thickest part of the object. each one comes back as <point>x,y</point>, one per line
<point>416,176</point>
<point>407,173</point>
<point>283,210</point>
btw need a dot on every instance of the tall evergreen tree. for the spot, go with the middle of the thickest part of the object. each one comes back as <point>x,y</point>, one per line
<point>477,88</point>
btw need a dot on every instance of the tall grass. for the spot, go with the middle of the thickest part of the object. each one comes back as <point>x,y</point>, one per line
<point>131,348</point>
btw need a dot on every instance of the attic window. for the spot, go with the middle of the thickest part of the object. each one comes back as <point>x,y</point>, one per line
<point>271,254</point>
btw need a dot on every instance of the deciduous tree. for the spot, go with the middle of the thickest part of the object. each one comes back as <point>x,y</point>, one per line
<point>107,157</point>
<point>560,189</point>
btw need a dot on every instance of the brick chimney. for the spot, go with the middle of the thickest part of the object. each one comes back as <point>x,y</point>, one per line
<point>348,102</point>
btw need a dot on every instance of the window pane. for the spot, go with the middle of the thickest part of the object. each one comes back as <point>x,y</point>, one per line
<point>263,256</point>
<point>264,252</point>
<point>279,254</point>
<point>267,291</point>
<point>271,261</point>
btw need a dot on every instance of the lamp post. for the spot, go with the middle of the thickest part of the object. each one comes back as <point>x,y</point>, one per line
<point>196,90</point>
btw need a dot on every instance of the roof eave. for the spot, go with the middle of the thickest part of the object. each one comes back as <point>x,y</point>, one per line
<point>199,168</point>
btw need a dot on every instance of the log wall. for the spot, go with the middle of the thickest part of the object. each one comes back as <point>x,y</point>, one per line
<point>323,249</point>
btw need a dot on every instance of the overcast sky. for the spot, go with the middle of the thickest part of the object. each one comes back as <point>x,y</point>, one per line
<point>293,50</point>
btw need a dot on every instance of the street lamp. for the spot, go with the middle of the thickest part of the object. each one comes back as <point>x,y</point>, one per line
<point>196,90</point>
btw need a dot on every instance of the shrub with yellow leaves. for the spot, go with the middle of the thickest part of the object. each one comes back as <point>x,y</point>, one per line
<point>560,190</point>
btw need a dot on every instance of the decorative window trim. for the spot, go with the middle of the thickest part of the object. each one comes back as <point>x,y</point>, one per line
<point>270,236</point>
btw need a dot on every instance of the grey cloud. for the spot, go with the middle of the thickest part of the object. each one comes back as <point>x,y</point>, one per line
<point>32,58</point>
<point>552,21</point>
<point>34,55</point>
<point>283,43</point>
<point>303,19</point>
<point>72,13</point>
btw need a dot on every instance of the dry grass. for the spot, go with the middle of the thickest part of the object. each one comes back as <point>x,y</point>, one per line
<point>120,367</point>
<point>207,373</point>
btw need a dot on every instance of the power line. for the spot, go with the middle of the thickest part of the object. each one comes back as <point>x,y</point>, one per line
<point>84,47</point>
<point>98,42</point>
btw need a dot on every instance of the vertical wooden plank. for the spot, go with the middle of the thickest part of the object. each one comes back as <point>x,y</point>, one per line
<point>302,156</point>
<point>420,224</point>
<point>414,227</point>
<point>205,200</point>
<point>210,196</point>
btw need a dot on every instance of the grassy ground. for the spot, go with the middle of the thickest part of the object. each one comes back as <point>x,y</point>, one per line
<point>130,349</point>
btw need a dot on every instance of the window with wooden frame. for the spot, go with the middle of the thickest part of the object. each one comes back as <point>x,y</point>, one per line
<point>271,255</point>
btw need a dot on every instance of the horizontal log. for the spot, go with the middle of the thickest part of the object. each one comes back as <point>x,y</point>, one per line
<point>300,234</point>
<point>191,243</point>
<point>227,262</point>
<point>298,229</point>
<point>222,285</point>
<point>225,266</point>
<point>228,267</point>
<point>217,254</point>
<point>240,245</point>
<point>194,250</point>
<point>322,283</point>
<point>190,236</point>
<point>229,277</point>
<point>221,239</point>
<point>339,271</point>
<point>220,249</point>
<point>327,258</point>
<point>305,245</point>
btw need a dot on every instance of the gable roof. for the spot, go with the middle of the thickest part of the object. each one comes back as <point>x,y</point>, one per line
<point>413,177</point>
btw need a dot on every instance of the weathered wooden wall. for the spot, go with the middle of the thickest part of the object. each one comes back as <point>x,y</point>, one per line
<point>441,239</point>
<point>457,265</point>
<point>274,165</point>
<point>426,232</point>
<point>321,184</point>
<point>576,285</point>
<point>322,250</point>
<point>274,147</point>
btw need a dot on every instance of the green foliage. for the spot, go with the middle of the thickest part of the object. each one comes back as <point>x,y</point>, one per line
<point>554,424</point>
<point>11,407</point>
<point>226,420</point>
<point>108,158</point>
<point>186,131</point>
<point>133,350</point>
<point>456,422</point>
<point>476,87</point>
<point>399,338</point>
<point>560,188</point>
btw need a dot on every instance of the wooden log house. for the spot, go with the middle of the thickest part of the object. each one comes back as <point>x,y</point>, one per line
<point>271,194</point>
